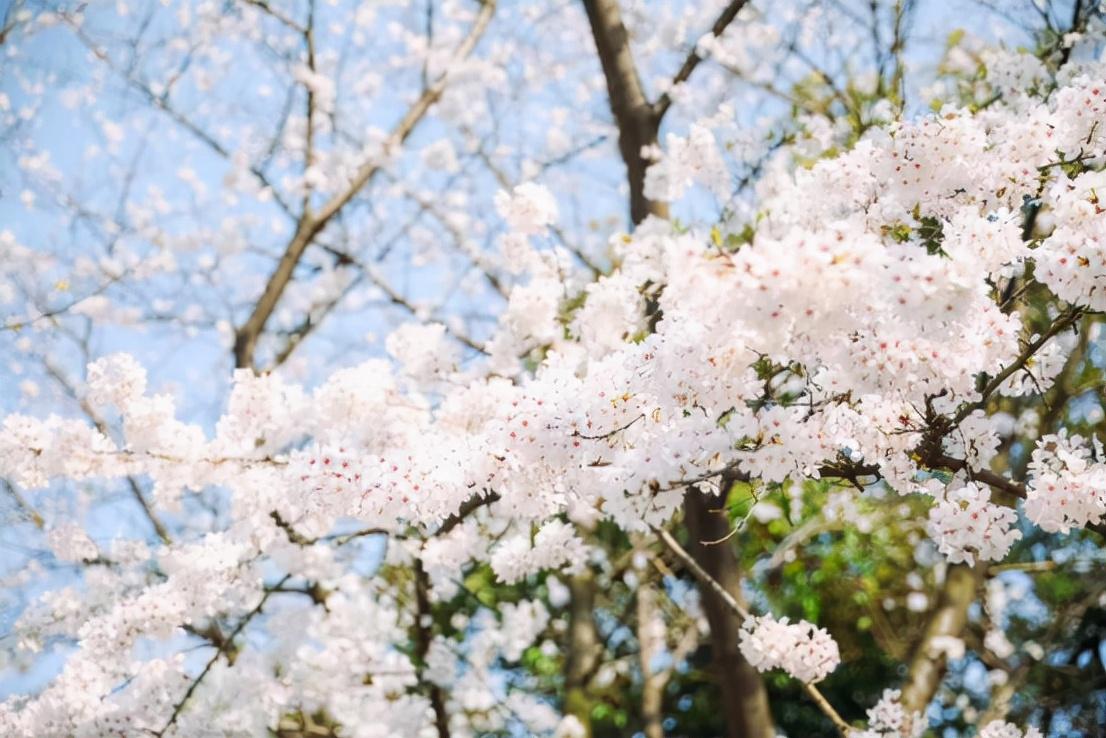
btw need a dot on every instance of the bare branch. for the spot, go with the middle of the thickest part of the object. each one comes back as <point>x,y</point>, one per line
<point>161,102</point>
<point>276,14</point>
<point>224,647</point>
<point>369,272</point>
<point>699,572</point>
<point>467,508</point>
<point>25,507</point>
<point>148,511</point>
<point>312,109</point>
<point>729,13</point>
<point>309,226</point>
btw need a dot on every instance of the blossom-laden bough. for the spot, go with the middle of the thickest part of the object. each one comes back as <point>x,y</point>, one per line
<point>858,328</point>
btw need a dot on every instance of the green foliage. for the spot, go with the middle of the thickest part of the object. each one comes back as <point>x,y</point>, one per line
<point>927,231</point>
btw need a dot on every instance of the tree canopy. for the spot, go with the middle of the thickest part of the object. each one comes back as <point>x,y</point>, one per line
<point>576,369</point>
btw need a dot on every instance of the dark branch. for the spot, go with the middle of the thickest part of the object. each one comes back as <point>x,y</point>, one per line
<point>693,59</point>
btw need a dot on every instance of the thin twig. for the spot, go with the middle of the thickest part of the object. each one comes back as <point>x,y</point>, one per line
<point>729,13</point>
<point>699,572</point>
<point>706,579</point>
<point>220,649</point>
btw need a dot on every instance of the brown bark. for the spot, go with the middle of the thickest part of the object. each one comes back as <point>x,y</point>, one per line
<point>423,637</point>
<point>649,646</point>
<point>582,648</point>
<point>634,116</point>
<point>744,700</point>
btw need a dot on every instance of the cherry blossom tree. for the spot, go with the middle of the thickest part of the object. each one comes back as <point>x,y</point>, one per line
<point>458,368</point>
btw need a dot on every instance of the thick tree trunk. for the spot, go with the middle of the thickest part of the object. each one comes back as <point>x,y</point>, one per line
<point>423,637</point>
<point>636,119</point>
<point>581,648</point>
<point>649,646</point>
<point>744,700</point>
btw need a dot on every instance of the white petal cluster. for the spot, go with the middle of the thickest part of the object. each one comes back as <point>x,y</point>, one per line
<point>1067,483</point>
<point>685,161</point>
<point>613,313</point>
<point>555,547</point>
<point>570,727</point>
<point>802,649</point>
<point>1000,729</point>
<point>889,719</point>
<point>423,350</point>
<point>521,624</point>
<point>261,415</point>
<point>70,542</point>
<point>116,380</point>
<point>528,209</point>
<point>965,524</point>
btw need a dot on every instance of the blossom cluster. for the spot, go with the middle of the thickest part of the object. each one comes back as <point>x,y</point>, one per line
<point>599,400</point>
<point>1001,729</point>
<point>1067,485</point>
<point>803,650</point>
<point>889,719</point>
<point>965,524</point>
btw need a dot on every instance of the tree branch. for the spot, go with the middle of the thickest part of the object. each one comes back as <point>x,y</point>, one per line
<point>423,622</point>
<point>221,648</point>
<point>161,102</point>
<point>582,648</point>
<point>311,108</point>
<point>272,12</point>
<point>25,507</point>
<point>729,13</point>
<point>309,226</point>
<point>70,389</point>
<point>999,482</point>
<point>1065,320</point>
<point>650,645</point>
